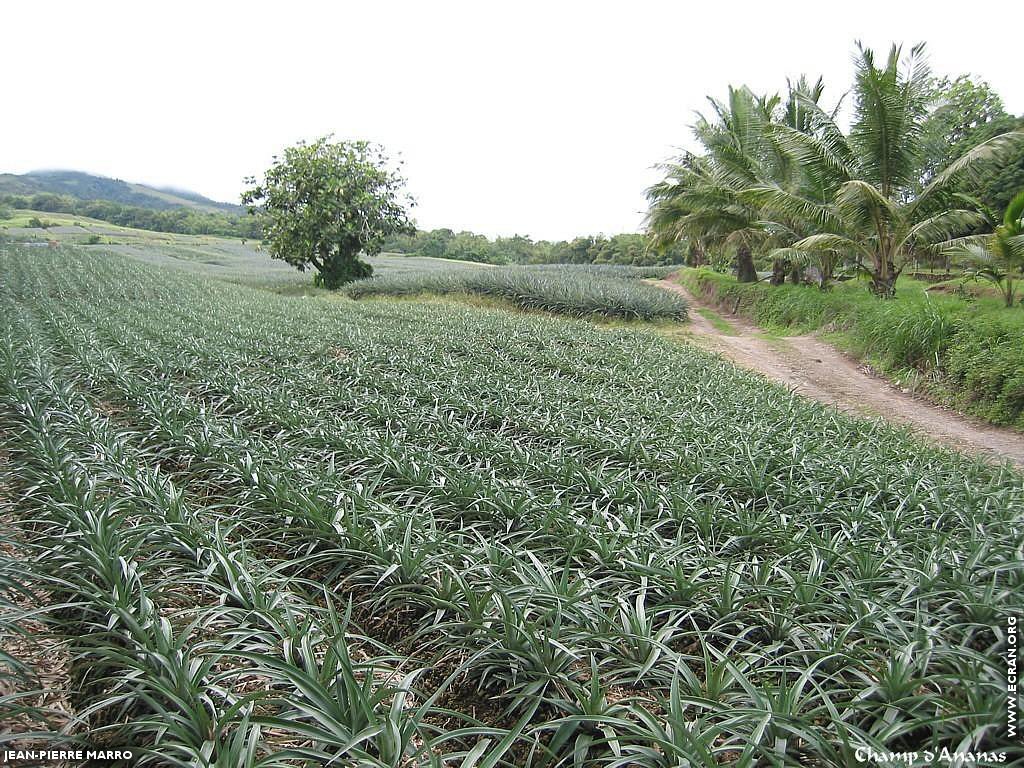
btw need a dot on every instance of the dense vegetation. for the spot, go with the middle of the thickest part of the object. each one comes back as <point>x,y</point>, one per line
<point>578,291</point>
<point>782,178</point>
<point>625,249</point>
<point>276,530</point>
<point>181,220</point>
<point>961,350</point>
<point>963,113</point>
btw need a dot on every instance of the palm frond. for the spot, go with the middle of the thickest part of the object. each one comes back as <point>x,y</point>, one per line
<point>830,242</point>
<point>887,117</point>
<point>865,206</point>
<point>774,200</point>
<point>942,227</point>
<point>1014,212</point>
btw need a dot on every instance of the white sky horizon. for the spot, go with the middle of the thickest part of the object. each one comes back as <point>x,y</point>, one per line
<point>539,119</point>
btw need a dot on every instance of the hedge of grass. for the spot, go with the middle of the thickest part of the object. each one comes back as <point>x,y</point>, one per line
<point>970,351</point>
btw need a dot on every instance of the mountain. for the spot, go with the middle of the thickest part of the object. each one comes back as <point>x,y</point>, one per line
<point>87,186</point>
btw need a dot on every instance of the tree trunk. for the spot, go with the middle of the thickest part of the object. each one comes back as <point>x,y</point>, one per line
<point>883,280</point>
<point>695,254</point>
<point>779,269</point>
<point>343,267</point>
<point>827,268</point>
<point>796,273</point>
<point>745,271</point>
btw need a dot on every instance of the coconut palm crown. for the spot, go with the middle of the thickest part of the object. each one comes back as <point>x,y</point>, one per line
<point>998,257</point>
<point>870,208</point>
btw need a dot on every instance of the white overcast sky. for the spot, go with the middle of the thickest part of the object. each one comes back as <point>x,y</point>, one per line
<point>537,118</point>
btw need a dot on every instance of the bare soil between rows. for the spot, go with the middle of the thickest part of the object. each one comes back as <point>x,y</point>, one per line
<point>815,369</point>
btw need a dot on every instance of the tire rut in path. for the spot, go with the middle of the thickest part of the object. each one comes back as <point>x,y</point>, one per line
<point>817,370</point>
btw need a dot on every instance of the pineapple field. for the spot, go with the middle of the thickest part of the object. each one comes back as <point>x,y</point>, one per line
<point>248,529</point>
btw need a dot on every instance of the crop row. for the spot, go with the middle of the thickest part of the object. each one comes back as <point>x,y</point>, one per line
<point>578,291</point>
<point>398,534</point>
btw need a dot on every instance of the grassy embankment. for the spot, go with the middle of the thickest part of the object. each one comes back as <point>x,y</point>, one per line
<point>965,351</point>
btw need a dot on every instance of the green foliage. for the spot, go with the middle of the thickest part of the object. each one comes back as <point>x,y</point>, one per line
<point>625,249</point>
<point>578,291</point>
<point>962,113</point>
<point>965,113</point>
<point>999,257</point>
<point>790,181</point>
<point>969,351</point>
<point>323,204</point>
<point>269,531</point>
<point>998,187</point>
<point>986,359</point>
<point>182,220</point>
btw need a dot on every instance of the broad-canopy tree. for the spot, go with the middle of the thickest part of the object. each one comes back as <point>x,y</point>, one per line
<point>966,112</point>
<point>324,203</point>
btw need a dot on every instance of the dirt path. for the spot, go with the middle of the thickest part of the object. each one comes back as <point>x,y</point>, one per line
<point>817,370</point>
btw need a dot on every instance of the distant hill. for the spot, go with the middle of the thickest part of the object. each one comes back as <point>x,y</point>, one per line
<point>86,186</point>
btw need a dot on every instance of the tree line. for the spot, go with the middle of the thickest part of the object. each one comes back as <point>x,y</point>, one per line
<point>630,248</point>
<point>181,220</point>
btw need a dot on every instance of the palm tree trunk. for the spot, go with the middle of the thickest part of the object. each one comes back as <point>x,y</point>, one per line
<point>883,277</point>
<point>695,254</point>
<point>745,271</point>
<point>883,286</point>
<point>779,269</point>
<point>796,273</point>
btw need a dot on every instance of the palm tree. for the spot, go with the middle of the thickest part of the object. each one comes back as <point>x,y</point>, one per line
<point>866,205</point>
<point>998,257</point>
<point>704,196</point>
<point>700,198</point>
<point>799,114</point>
<point>695,203</point>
